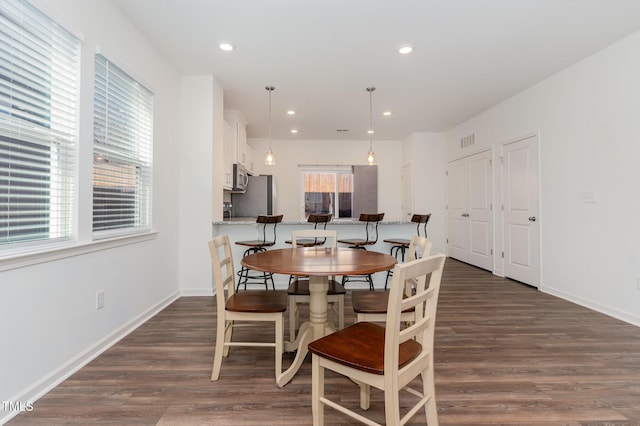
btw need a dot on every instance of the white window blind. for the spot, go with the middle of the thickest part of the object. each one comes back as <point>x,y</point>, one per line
<point>39,92</point>
<point>122,151</point>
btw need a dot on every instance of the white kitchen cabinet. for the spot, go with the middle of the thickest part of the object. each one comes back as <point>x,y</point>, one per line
<point>239,128</point>
<point>250,159</point>
<point>228,153</point>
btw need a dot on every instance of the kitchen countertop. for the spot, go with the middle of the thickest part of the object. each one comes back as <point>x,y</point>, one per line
<point>252,220</point>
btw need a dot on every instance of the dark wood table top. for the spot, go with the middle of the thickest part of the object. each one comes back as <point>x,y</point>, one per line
<point>319,261</point>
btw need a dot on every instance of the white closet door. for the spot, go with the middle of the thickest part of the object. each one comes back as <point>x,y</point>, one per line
<point>470,216</point>
<point>521,211</point>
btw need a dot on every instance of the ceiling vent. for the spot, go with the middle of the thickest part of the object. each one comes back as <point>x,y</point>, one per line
<point>468,141</point>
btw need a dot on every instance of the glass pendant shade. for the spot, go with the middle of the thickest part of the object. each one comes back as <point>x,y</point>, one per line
<point>371,156</point>
<point>269,157</point>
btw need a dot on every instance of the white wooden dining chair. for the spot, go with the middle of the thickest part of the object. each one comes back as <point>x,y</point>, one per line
<point>372,305</point>
<point>387,358</point>
<point>298,290</point>
<point>252,305</point>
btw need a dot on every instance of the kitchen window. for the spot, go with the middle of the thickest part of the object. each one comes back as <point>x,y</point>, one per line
<point>39,91</point>
<point>344,191</point>
<point>327,190</point>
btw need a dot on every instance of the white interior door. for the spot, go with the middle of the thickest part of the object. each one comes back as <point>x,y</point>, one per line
<point>521,211</point>
<point>469,205</point>
<point>457,190</point>
<point>480,214</point>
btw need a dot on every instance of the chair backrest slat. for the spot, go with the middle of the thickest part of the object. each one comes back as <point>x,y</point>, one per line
<point>317,234</point>
<point>425,274</point>
<point>223,270</point>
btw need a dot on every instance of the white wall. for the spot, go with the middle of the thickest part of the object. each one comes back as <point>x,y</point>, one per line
<point>47,310</point>
<point>291,153</point>
<point>201,126</point>
<point>426,154</point>
<point>587,117</point>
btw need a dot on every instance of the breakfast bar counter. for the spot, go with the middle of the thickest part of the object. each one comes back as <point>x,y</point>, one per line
<point>246,228</point>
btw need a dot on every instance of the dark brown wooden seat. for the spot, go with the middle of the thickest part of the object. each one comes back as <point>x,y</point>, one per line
<point>371,221</point>
<point>300,287</point>
<point>244,275</point>
<point>369,339</point>
<point>232,308</point>
<point>389,358</point>
<point>257,301</point>
<point>372,305</point>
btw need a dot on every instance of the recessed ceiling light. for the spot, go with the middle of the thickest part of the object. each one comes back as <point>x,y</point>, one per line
<point>227,47</point>
<point>403,50</point>
<point>370,132</point>
<point>294,130</point>
<point>386,113</point>
<point>291,112</point>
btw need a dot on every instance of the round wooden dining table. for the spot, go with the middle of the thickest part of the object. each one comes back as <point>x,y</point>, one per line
<point>318,263</point>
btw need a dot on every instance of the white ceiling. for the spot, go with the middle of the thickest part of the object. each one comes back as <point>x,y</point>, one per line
<point>321,55</point>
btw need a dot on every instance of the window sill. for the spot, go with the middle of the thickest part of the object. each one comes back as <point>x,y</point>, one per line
<point>22,260</point>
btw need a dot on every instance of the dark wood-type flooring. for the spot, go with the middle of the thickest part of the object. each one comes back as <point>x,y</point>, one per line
<point>504,354</point>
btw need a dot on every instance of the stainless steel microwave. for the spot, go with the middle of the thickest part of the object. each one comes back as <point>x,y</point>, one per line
<point>240,178</point>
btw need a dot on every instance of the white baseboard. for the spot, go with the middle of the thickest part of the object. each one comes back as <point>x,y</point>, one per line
<point>628,317</point>
<point>47,383</point>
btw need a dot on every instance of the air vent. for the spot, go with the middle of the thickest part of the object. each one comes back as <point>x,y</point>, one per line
<point>468,141</point>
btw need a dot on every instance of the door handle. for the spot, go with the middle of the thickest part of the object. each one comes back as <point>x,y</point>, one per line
<point>465,214</point>
<point>532,218</point>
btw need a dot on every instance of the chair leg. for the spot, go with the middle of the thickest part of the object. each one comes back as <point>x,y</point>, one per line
<point>279,323</point>
<point>227,338</point>
<point>392,407</point>
<point>341,312</point>
<point>365,396</point>
<point>428,388</point>
<point>317,391</point>
<point>220,350</point>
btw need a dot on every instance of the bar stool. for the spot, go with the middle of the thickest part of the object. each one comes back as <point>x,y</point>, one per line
<point>400,245</point>
<point>316,219</point>
<point>255,246</point>
<point>371,221</point>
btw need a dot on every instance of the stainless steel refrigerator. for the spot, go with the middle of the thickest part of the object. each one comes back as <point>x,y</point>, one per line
<point>259,198</point>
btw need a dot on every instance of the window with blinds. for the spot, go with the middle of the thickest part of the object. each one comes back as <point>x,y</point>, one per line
<point>39,92</point>
<point>122,151</point>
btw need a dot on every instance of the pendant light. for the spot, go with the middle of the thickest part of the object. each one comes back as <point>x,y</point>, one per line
<point>269,157</point>
<point>371,156</point>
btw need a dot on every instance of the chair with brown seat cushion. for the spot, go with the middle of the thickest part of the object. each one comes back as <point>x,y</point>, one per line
<point>386,357</point>
<point>252,305</point>
<point>372,305</point>
<point>299,288</point>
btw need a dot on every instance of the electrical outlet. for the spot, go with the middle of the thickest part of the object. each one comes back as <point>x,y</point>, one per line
<point>100,299</point>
